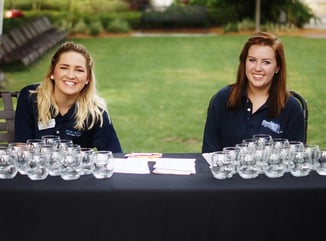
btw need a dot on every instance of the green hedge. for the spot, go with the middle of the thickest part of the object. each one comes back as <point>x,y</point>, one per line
<point>63,21</point>
<point>222,16</point>
<point>131,17</point>
<point>124,21</point>
<point>54,16</point>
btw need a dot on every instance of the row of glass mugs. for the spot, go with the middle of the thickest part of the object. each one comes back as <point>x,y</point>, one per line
<point>38,158</point>
<point>272,157</point>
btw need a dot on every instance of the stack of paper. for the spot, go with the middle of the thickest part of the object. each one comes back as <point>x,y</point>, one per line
<point>131,165</point>
<point>176,166</point>
<point>137,163</point>
<point>144,155</point>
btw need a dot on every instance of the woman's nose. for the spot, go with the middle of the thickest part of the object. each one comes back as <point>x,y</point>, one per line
<point>71,74</point>
<point>258,67</point>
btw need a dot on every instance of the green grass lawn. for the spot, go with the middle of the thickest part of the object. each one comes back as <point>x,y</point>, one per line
<point>157,88</point>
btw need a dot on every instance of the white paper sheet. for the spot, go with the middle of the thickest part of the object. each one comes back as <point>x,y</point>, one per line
<point>144,155</point>
<point>131,165</point>
<point>177,166</point>
<point>208,157</point>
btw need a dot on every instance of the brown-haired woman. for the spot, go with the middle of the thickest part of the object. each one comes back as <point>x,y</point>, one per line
<point>258,102</point>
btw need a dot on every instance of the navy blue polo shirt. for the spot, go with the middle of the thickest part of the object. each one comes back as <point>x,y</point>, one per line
<point>225,127</point>
<point>26,126</point>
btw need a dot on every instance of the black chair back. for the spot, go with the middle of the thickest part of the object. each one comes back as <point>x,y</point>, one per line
<point>304,106</point>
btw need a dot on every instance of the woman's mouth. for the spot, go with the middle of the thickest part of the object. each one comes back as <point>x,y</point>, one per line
<point>69,83</point>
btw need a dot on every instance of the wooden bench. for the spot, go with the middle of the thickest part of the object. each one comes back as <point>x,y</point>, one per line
<point>8,102</point>
<point>30,41</point>
<point>175,16</point>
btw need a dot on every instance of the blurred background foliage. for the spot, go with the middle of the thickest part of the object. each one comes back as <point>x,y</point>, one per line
<point>97,16</point>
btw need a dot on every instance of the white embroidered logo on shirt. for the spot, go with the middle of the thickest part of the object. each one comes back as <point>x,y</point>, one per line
<point>272,126</point>
<point>73,133</point>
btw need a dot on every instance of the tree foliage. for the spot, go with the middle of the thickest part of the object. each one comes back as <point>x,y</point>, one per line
<point>296,11</point>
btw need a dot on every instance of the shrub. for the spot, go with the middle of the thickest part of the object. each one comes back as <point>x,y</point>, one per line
<point>36,5</point>
<point>95,28</point>
<point>101,7</point>
<point>65,24</point>
<point>221,16</point>
<point>79,27</point>
<point>118,26</point>
<point>246,25</point>
<point>9,23</point>
<point>274,27</point>
<point>133,19</point>
<point>230,27</point>
<point>299,14</point>
<point>55,17</point>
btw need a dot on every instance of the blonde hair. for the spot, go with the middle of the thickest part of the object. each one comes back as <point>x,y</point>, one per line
<point>89,105</point>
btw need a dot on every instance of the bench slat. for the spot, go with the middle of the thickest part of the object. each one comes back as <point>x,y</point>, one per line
<point>30,41</point>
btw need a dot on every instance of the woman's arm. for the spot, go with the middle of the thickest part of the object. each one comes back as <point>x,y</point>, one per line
<point>210,139</point>
<point>295,130</point>
<point>25,115</point>
<point>105,137</point>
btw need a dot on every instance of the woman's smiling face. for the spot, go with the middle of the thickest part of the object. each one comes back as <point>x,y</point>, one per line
<point>261,66</point>
<point>70,74</point>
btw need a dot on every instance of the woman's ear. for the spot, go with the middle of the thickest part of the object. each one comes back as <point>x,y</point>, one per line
<point>51,77</point>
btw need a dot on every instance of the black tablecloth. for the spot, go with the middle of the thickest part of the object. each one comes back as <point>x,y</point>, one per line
<point>164,207</point>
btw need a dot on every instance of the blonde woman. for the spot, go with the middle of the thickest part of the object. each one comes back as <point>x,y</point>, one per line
<point>66,103</point>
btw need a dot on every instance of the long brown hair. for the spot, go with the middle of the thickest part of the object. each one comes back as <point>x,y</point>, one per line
<point>278,94</point>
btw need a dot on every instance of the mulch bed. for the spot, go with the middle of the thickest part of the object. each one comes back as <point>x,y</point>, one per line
<point>321,33</point>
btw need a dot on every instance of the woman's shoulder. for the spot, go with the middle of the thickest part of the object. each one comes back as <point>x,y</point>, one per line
<point>28,88</point>
<point>220,97</point>
<point>223,94</point>
<point>293,106</point>
<point>224,91</point>
<point>25,93</point>
<point>293,103</point>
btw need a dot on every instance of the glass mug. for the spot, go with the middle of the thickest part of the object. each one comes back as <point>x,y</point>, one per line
<point>17,148</point>
<point>249,166</point>
<point>103,164</point>
<point>58,154</point>
<point>50,139</point>
<point>233,153</point>
<point>63,143</point>
<point>320,162</point>
<point>222,165</point>
<point>86,160</point>
<point>293,148</point>
<point>34,143</point>
<point>70,165</point>
<point>262,139</point>
<point>274,163</point>
<point>37,164</point>
<point>8,159</point>
<point>301,163</point>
